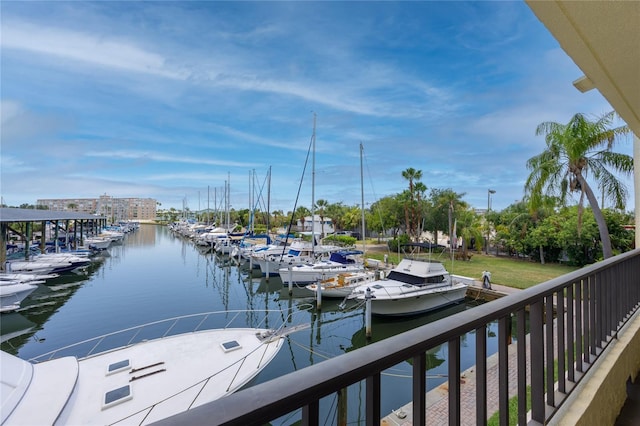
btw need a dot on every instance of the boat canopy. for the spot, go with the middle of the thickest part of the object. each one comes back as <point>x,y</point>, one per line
<point>342,256</point>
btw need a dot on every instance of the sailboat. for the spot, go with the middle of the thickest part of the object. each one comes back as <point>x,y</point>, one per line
<point>340,277</point>
<point>300,252</point>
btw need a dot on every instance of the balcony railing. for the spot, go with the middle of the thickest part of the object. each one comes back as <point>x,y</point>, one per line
<point>572,318</point>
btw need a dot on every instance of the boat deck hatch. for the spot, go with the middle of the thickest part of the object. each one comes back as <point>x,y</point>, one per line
<point>116,396</point>
<point>230,345</point>
<point>118,366</point>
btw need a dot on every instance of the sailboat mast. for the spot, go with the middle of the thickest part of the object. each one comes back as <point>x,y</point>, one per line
<point>251,206</point>
<point>269,201</point>
<point>227,199</point>
<point>313,186</point>
<point>362,197</point>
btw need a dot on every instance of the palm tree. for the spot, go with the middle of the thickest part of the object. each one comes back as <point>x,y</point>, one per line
<point>411,175</point>
<point>419,211</point>
<point>469,227</point>
<point>575,151</point>
<point>320,206</point>
<point>300,214</point>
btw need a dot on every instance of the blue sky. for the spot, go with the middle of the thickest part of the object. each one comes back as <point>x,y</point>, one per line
<point>167,99</point>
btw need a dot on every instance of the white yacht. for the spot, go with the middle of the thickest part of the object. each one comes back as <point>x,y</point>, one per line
<point>138,383</point>
<point>412,287</point>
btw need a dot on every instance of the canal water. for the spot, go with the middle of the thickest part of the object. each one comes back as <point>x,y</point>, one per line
<point>155,275</point>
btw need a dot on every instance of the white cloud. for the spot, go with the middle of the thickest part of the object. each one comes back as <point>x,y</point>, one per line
<point>85,47</point>
<point>165,157</point>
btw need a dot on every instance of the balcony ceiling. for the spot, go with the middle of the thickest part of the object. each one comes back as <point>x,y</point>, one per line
<point>603,39</point>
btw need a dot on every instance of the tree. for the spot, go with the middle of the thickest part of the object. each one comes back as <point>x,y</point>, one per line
<point>420,208</point>
<point>320,206</point>
<point>443,203</point>
<point>385,214</point>
<point>336,212</point>
<point>300,213</point>
<point>469,227</point>
<point>278,218</point>
<point>576,151</point>
<point>410,208</point>
<point>351,219</point>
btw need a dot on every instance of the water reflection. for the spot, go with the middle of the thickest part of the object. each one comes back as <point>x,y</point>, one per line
<point>14,325</point>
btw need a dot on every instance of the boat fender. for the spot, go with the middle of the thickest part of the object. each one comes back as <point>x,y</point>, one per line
<point>382,275</point>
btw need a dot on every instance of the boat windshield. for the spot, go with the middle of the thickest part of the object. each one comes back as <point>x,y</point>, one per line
<point>413,280</point>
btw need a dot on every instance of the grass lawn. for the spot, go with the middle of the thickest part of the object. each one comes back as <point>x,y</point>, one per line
<point>504,270</point>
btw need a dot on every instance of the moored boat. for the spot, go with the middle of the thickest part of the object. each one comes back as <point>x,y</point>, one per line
<point>412,287</point>
<point>12,293</point>
<point>339,262</point>
<point>343,284</point>
<point>138,383</point>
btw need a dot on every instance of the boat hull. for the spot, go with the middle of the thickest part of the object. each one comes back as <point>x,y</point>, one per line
<point>160,378</point>
<point>12,294</point>
<point>303,274</point>
<point>418,303</point>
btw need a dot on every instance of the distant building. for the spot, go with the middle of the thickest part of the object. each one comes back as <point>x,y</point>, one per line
<point>111,207</point>
<point>82,205</point>
<point>324,226</point>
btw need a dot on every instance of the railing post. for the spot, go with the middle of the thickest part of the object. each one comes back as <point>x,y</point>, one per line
<point>549,361</point>
<point>585,321</point>
<point>419,388</point>
<point>578,326</point>
<point>373,400</point>
<point>521,331</point>
<point>504,336</point>
<point>571,356</point>
<point>454,381</point>
<point>537,362</point>
<point>311,414</point>
<point>593,328</point>
<point>481,375</point>
<point>561,319</point>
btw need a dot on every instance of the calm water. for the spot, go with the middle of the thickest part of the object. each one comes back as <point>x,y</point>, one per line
<point>155,275</point>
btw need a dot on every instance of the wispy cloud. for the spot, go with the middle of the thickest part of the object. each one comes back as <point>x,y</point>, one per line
<point>85,48</point>
<point>165,158</point>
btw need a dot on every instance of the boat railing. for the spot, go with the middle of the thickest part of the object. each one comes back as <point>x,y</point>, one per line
<point>177,325</point>
<point>548,338</point>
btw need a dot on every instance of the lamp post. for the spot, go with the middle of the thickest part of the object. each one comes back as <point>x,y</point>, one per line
<point>489,192</point>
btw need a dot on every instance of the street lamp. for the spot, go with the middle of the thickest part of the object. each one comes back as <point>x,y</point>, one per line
<point>489,192</point>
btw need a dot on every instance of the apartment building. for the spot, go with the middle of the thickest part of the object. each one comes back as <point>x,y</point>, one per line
<point>105,205</point>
